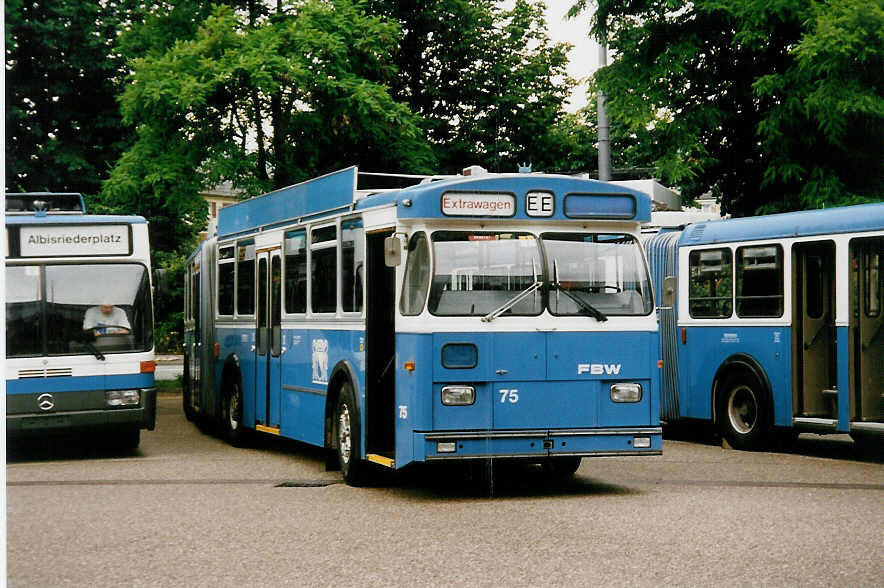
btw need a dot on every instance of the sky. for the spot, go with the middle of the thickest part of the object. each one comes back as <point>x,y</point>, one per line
<point>583,58</point>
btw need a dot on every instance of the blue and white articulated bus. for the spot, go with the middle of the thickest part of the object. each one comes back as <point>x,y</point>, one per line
<point>776,324</point>
<point>465,317</point>
<point>79,321</point>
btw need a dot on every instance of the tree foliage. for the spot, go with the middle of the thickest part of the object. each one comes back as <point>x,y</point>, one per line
<point>63,128</point>
<point>488,83</point>
<point>262,99</point>
<point>768,105</point>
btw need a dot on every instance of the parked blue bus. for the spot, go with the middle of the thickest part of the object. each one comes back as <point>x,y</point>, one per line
<point>773,324</point>
<point>474,316</point>
<point>79,321</point>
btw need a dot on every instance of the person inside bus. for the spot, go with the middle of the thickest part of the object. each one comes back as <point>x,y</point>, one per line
<point>106,319</point>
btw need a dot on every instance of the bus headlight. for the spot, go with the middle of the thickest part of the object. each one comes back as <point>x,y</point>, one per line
<point>626,392</point>
<point>458,395</point>
<point>122,397</point>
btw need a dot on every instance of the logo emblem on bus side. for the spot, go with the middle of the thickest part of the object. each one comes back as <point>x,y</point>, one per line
<point>320,361</point>
<point>46,402</point>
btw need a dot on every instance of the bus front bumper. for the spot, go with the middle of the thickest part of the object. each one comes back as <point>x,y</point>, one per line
<point>538,444</point>
<point>75,421</point>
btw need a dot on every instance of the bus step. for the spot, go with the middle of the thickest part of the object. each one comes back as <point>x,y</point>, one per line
<point>815,424</point>
<point>383,460</point>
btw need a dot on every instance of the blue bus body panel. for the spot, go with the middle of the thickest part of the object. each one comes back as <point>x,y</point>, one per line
<point>78,383</point>
<point>529,387</point>
<point>299,379</point>
<point>708,347</point>
<point>843,378</point>
<point>325,193</point>
<point>847,219</point>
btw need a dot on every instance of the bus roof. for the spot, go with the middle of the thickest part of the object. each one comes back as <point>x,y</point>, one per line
<point>74,219</point>
<point>575,199</point>
<point>427,199</point>
<point>847,219</point>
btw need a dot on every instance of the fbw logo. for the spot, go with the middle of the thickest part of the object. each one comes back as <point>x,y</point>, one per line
<point>598,369</point>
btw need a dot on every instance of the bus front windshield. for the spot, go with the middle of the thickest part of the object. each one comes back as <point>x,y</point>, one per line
<point>596,274</point>
<point>493,274</point>
<point>478,272</point>
<point>89,309</point>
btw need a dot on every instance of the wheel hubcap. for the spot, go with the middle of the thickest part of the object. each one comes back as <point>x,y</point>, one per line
<point>742,409</point>
<point>344,441</point>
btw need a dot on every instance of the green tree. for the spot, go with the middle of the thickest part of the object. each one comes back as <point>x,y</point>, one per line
<point>736,96</point>
<point>488,83</point>
<point>63,127</point>
<point>262,100</point>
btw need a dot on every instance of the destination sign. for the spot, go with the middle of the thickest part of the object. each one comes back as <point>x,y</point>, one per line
<point>74,240</point>
<point>478,204</point>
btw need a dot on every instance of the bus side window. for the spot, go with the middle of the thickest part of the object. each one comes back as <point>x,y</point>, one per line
<point>296,271</point>
<point>226,280</point>
<point>760,281</point>
<point>711,283</point>
<point>324,269</point>
<point>352,262</point>
<point>245,277</point>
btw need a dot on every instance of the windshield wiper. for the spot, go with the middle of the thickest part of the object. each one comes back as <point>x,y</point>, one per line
<point>589,308</point>
<point>89,345</point>
<point>511,302</point>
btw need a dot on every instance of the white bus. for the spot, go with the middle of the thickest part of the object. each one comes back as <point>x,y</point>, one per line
<point>79,321</point>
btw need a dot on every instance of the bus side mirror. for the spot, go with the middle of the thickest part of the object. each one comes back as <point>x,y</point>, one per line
<point>160,281</point>
<point>392,251</point>
<point>669,292</point>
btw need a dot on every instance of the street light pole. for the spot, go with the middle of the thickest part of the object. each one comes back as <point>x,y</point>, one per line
<point>604,127</point>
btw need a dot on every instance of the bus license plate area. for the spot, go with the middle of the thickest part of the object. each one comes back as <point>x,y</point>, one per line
<point>526,444</point>
<point>500,445</point>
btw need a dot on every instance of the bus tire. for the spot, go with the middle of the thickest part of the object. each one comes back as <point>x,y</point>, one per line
<point>231,413</point>
<point>560,467</point>
<point>744,416</point>
<point>347,436</point>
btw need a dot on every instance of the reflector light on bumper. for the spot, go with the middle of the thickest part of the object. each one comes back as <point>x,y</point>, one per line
<point>458,395</point>
<point>626,392</point>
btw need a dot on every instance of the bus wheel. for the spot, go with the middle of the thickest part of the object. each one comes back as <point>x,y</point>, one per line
<point>231,414</point>
<point>347,435</point>
<point>743,415</point>
<point>560,467</point>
